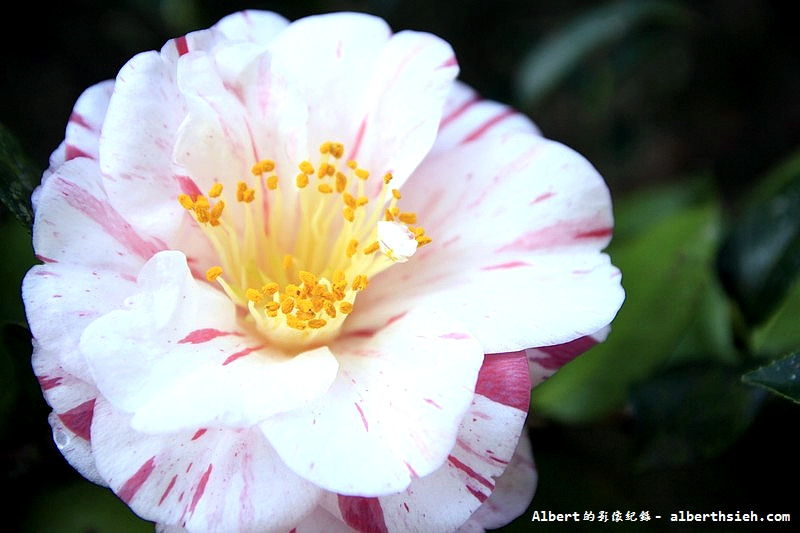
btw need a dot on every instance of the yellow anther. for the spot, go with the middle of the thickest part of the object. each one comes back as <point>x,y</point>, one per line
<point>362,200</point>
<point>304,305</point>
<point>423,240</point>
<point>287,261</point>
<point>352,164</point>
<point>215,190</point>
<point>186,202</point>
<point>301,180</point>
<point>216,211</point>
<point>360,282</point>
<point>272,306</point>
<point>372,248</point>
<point>244,193</point>
<point>304,315</point>
<point>349,214</point>
<point>337,150</point>
<point>394,211</point>
<point>308,278</point>
<point>272,182</point>
<point>213,273</point>
<point>330,309</point>
<point>341,182</point>
<point>292,290</point>
<point>287,304</point>
<point>294,322</point>
<point>396,193</point>
<point>270,288</point>
<point>253,295</point>
<point>387,178</point>
<point>362,174</point>
<point>349,200</point>
<point>408,218</point>
<point>346,308</point>
<point>417,231</point>
<point>322,171</point>
<point>352,246</point>
<point>325,147</point>
<point>339,277</point>
<point>306,168</point>
<point>324,188</point>
<point>256,169</point>
<point>316,323</point>
<point>387,215</point>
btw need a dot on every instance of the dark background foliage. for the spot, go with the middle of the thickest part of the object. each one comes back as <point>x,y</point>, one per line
<point>690,110</point>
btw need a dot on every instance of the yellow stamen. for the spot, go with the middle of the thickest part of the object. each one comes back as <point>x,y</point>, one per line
<point>213,273</point>
<point>372,248</point>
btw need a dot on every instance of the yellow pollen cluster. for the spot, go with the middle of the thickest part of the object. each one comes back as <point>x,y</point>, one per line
<point>297,257</point>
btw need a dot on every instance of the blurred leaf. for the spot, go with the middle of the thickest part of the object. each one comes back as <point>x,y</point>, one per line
<point>80,508</point>
<point>18,177</point>
<point>759,260</point>
<point>781,377</point>
<point>692,412</point>
<point>18,258</point>
<point>780,334</point>
<point>666,267</point>
<point>551,61</point>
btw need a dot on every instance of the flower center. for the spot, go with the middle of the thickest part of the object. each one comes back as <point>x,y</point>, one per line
<point>295,255</point>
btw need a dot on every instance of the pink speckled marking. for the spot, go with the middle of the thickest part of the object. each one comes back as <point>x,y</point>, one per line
<point>200,432</point>
<point>481,497</point>
<point>560,234</point>
<point>455,335</point>
<point>460,110</point>
<point>181,45</point>
<point>188,186</point>
<point>363,418</point>
<point>47,383</point>
<point>77,118</point>
<point>506,266</point>
<point>470,472</point>
<point>362,514</point>
<point>72,152</point>
<point>542,197</point>
<point>483,128</point>
<point>359,138</point>
<point>79,419</point>
<point>168,489</point>
<point>411,470</point>
<point>134,483</point>
<point>201,488</point>
<point>239,354</point>
<point>450,62</point>
<point>432,402</point>
<point>199,336</point>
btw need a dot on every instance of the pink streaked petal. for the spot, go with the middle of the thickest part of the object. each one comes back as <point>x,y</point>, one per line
<point>223,481</point>
<point>512,495</point>
<point>176,365</point>
<point>484,448</point>
<point>546,360</point>
<point>85,122</point>
<point>60,301</point>
<point>252,26</point>
<point>387,107</point>
<point>393,412</point>
<point>136,144</point>
<point>468,117</point>
<point>76,222</point>
<point>520,238</point>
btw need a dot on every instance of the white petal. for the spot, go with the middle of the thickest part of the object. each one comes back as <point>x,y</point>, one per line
<point>177,358</point>
<point>209,479</point>
<point>517,223</point>
<point>393,411</point>
<point>445,499</point>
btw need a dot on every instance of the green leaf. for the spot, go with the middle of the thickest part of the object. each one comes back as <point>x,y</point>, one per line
<point>82,507</point>
<point>552,60</point>
<point>666,267</point>
<point>779,335</point>
<point>18,177</point>
<point>781,377</point>
<point>759,260</point>
<point>682,419</point>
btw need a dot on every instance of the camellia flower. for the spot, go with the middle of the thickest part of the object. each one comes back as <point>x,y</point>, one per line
<point>292,275</point>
